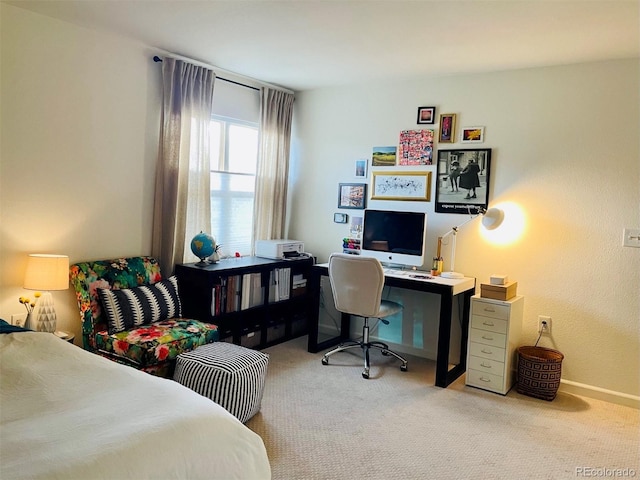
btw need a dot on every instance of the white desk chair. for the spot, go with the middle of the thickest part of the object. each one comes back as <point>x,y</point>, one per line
<point>357,283</point>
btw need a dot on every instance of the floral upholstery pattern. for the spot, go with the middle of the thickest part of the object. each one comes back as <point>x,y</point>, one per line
<point>152,348</point>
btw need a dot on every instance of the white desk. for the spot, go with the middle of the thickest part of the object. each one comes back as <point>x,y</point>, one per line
<point>447,288</point>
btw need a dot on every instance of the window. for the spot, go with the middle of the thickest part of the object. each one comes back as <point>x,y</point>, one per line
<point>234,158</point>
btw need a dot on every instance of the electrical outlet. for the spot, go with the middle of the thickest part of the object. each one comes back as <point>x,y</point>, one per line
<point>18,319</point>
<point>544,324</point>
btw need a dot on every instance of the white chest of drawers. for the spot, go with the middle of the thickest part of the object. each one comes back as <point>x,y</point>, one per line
<point>494,334</point>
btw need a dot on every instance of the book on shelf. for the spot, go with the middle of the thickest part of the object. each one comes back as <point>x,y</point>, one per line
<point>252,290</point>
<point>298,285</point>
<point>279,284</point>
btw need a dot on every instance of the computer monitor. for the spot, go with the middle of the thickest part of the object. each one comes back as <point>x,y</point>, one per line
<point>394,237</point>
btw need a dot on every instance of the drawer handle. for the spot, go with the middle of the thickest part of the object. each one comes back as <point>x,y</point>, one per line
<point>488,324</point>
<point>489,309</point>
<point>487,338</point>
<point>488,352</point>
<point>485,366</point>
<point>487,380</point>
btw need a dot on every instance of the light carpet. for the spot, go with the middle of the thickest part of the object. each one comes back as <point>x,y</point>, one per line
<point>327,422</point>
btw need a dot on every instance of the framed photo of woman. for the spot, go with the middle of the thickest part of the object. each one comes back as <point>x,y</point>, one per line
<point>462,180</point>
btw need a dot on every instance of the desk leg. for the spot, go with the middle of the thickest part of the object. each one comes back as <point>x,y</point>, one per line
<point>444,338</point>
<point>314,312</point>
<point>444,376</point>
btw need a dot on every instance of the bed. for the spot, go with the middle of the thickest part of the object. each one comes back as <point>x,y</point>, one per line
<point>69,414</point>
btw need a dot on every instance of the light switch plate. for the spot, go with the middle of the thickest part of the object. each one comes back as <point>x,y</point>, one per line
<point>631,237</point>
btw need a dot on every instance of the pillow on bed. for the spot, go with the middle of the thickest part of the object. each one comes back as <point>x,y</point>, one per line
<point>133,307</point>
<point>6,327</point>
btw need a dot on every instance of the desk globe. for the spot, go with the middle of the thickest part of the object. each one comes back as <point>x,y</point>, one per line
<point>203,245</point>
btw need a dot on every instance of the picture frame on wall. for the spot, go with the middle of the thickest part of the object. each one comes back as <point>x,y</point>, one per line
<point>415,147</point>
<point>447,128</point>
<point>462,180</point>
<point>472,135</point>
<point>402,185</point>
<point>383,156</point>
<point>361,168</point>
<point>352,195</point>
<point>426,115</point>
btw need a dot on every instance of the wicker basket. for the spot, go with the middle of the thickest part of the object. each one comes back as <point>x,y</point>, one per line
<point>539,371</point>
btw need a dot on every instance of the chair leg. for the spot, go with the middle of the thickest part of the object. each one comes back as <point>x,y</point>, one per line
<point>386,351</point>
<point>365,372</point>
<point>340,348</point>
<point>365,344</point>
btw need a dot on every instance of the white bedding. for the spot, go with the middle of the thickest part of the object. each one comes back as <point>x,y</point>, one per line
<point>69,414</point>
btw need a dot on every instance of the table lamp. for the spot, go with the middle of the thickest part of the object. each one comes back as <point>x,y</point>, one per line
<point>491,219</point>
<point>46,273</point>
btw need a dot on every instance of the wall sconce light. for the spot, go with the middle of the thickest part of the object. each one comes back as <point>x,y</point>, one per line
<point>491,219</point>
<point>46,273</point>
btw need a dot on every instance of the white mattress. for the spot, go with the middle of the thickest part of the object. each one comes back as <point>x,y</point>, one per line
<point>69,414</point>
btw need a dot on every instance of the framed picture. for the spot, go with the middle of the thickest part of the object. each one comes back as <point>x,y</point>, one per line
<point>401,186</point>
<point>447,128</point>
<point>462,181</point>
<point>472,135</point>
<point>383,157</point>
<point>340,217</point>
<point>352,195</point>
<point>361,168</point>
<point>426,115</point>
<point>416,147</point>
<point>355,229</point>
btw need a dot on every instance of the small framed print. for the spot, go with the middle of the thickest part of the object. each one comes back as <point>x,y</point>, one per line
<point>352,195</point>
<point>447,128</point>
<point>361,168</point>
<point>472,135</point>
<point>401,186</point>
<point>426,115</point>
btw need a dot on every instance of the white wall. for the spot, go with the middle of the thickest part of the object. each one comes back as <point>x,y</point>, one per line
<point>80,122</point>
<point>565,150</point>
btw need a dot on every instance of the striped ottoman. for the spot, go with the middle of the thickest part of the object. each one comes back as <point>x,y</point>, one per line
<point>228,374</point>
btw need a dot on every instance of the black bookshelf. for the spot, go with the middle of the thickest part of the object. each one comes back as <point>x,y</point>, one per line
<point>255,302</point>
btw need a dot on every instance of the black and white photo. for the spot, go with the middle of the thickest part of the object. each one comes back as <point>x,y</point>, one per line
<point>462,180</point>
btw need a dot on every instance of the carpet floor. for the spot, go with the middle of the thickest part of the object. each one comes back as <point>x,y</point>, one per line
<point>327,422</point>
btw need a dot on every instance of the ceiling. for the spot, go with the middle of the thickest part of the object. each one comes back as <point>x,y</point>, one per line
<point>306,44</point>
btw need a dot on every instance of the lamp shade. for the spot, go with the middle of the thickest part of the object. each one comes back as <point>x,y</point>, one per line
<point>47,272</point>
<point>492,218</point>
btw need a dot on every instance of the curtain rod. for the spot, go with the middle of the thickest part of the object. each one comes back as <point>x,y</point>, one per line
<point>156,59</point>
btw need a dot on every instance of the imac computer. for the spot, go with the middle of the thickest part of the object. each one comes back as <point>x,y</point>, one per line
<point>393,237</point>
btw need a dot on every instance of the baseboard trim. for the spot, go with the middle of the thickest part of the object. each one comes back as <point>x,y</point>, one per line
<point>598,393</point>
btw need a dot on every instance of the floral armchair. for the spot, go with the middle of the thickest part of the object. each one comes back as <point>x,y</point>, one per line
<point>151,334</point>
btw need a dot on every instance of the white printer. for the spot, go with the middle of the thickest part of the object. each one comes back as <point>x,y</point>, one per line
<point>279,249</point>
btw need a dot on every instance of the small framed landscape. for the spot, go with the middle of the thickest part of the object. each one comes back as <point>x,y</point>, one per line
<point>472,135</point>
<point>426,115</point>
<point>352,195</point>
<point>383,157</point>
<point>414,186</point>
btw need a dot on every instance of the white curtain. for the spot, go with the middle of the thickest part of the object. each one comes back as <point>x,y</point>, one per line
<point>182,206</point>
<point>276,111</point>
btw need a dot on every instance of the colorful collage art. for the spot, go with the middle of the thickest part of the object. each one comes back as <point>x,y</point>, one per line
<point>416,147</point>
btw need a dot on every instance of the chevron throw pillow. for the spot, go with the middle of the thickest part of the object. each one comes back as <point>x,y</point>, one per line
<point>132,307</point>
